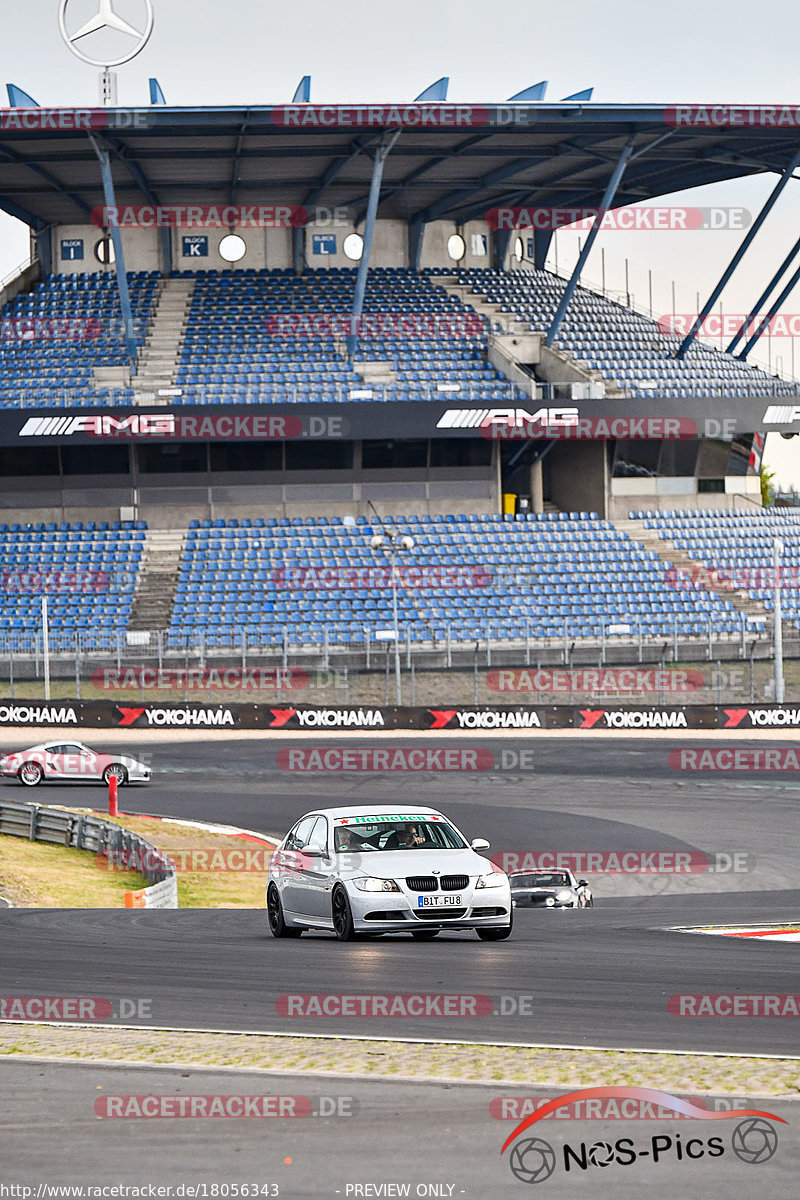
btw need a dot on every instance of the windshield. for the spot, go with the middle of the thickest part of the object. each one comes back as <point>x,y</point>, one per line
<point>554,879</point>
<point>395,833</point>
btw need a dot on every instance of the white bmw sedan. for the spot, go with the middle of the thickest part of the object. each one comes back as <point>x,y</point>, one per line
<point>359,871</point>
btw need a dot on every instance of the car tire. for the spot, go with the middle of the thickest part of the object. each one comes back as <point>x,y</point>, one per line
<point>277,924</point>
<point>30,774</point>
<point>497,935</point>
<point>424,935</point>
<point>116,769</point>
<point>342,915</point>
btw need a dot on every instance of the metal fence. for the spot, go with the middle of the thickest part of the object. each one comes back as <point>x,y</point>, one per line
<point>160,665</point>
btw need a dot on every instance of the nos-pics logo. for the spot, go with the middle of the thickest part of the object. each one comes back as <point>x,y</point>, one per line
<point>533,1160</point>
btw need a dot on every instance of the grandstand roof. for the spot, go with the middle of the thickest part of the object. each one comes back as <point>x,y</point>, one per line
<point>453,161</point>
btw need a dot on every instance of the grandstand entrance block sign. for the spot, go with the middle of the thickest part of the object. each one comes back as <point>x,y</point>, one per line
<point>323,243</point>
<point>195,246</point>
<point>72,249</point>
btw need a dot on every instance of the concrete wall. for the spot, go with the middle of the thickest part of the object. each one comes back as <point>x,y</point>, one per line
<point>742,493</point>
<point>168,501</point>
<point>272,248</point>
<point>578,476</point>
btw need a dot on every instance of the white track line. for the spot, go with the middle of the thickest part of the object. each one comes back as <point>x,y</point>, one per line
<point>357,1037</point>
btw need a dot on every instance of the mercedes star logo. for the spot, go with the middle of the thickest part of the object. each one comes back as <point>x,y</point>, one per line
<point>106,19</point>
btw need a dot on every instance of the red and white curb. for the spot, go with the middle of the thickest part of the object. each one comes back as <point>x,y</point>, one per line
<point>233,831</point>
<point>777,933</point>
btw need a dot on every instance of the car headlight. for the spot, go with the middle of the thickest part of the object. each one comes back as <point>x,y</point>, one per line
<point>564,895</point>
<point>494,879</point>
<point>370,883</point>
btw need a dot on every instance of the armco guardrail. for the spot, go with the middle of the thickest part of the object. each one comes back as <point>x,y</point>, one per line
<point>81,831</point>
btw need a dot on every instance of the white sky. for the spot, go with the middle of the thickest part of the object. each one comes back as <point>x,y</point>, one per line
<point>241,52</point>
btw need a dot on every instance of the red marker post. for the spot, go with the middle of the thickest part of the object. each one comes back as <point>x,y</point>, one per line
<point>113,785</point>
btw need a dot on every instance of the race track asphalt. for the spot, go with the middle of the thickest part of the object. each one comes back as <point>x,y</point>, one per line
<point>386,1138</point>
<point>599,977</point>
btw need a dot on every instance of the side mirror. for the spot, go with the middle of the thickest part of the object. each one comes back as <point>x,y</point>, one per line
<point>583,883</point>
<point>312,852</point>
<point>480,844</point>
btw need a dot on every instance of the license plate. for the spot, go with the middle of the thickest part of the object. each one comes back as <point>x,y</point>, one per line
<point>438,901</point>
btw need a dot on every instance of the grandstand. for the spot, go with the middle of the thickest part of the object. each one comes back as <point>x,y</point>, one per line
<point>135,397</point>
<point>466,578</point>
<point>56,340</point>
<point>631,352</point>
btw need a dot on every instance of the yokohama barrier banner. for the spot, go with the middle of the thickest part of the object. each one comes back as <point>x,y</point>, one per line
<point>525,718</point>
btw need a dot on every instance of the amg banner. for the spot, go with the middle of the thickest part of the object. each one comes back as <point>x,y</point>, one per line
<point>529,420</point>
<point>103,714</point>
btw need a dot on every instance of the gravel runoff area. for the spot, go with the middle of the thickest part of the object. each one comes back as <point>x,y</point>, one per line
<point>687,1074</point>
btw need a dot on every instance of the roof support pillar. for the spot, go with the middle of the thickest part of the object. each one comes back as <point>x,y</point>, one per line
<point>501,239</point>
<point>381,154</point>
<point>416,235</point>
<point>756,309</point>
<point>43,239</point>
<point>541,247</point>
<point>119,258</point>
<point>763,324</point>
<point>298,233</point>
<point>739,255</point>
<point>605,204</point>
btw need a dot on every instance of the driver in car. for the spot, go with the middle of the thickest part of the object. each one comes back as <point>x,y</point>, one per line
<point>408,837</point>
<point>345,840</point>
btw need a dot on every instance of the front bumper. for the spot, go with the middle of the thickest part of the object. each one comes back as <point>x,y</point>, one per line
<point>383,911</point>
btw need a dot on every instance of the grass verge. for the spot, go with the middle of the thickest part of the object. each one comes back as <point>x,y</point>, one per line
<point>33,875</point>
<point>231,872</point>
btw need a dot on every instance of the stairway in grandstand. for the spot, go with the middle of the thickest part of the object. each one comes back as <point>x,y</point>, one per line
<point>628,350</point>
<point>734,546</point>
<point>158,362</point>
<point>553,362</point>
<point>675,556</point>
<point>152,603</point>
